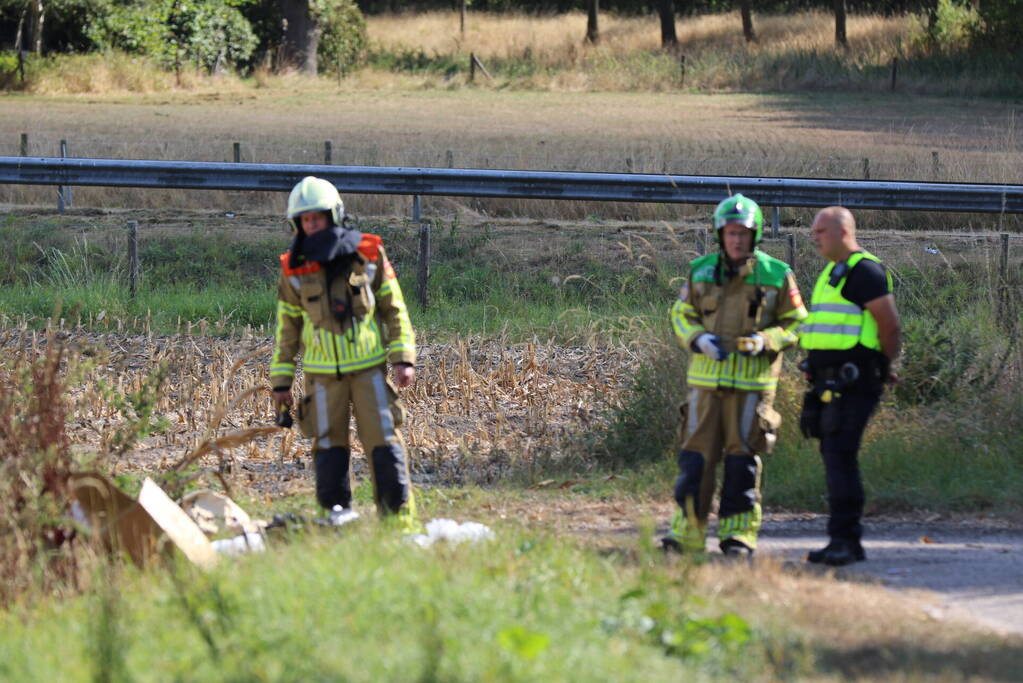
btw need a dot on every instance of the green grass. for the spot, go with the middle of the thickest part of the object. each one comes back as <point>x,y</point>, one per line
<point>367,606</point>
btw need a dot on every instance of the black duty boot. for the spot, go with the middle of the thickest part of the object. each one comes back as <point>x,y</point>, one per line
<point>838,553</point>
<point>733,548</point>
<point>670,544</point>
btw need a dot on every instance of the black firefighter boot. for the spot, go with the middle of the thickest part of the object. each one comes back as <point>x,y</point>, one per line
<point>838,553</point>
<point>333,485</point>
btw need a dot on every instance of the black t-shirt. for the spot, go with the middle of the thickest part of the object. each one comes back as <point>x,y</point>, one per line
<point>867,280</point>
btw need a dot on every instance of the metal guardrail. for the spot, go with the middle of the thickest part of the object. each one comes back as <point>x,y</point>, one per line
<point>613,187</point>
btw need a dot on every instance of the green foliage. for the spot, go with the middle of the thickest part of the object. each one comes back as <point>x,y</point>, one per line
<point>642,428</point>
<point>343,34</point>
<point>1003,24</point>
<point>203,33</point>
<point>952,27</point>
<point>464,613</point>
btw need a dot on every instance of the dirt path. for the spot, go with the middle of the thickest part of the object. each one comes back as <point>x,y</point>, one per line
<point>972,568</point>
<point>962,568</point>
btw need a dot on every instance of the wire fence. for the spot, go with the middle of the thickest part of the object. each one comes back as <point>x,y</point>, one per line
<point>992,261</point>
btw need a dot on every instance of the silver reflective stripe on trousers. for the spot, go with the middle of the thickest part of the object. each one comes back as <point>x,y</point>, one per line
<point>820,328</point>
<point>386,419</point>
<point>322,419</point>
<point>849,309</point>
<point>692,416</point>
<point>749,414</point>
<point>295,282</point>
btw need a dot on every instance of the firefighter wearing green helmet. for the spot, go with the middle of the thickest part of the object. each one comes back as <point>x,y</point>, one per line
<point>339,305</point>
<point>736,313</point>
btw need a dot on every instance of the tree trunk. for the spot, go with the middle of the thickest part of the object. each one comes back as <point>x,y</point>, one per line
<point>840,38</point>
<point>747,21</point>
<point>592,32</point>
<point>36,17</point>
<point>461,17</point>
<point>301,36</point>
<point>666,12</point>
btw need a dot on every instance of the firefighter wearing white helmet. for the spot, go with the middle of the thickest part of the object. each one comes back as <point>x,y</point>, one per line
<point>738,310</point>
<point>340,307</point>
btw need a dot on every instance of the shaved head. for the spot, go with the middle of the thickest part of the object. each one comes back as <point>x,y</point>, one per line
<point>834,233</point>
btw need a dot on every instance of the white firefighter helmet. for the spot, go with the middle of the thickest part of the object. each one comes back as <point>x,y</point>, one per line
<point>314,194</point>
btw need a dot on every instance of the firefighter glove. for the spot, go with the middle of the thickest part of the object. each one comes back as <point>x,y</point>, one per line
<point>751,345</point>
<point>710,345</point>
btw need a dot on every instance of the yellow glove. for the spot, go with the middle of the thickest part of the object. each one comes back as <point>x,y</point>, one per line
<point>751,345</point>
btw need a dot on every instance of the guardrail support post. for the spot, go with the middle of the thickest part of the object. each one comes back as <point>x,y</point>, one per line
<point>423,274</point>
<point>775,221</point>
<point>417,208</point>
<point>327,153</point>
<point>24,144</point>
<point>866,168</point>
<point>935,164</point>
<point>790,255</point>
<point>237,152</point>
<point>64,198</point>
<point>133,257</point>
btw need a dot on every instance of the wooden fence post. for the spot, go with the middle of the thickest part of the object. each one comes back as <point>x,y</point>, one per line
<point>935,164</point>
<point>1003,265</point>
<point>866,168</point>
<point>133,257</point>
<point>423,275</point>
<point>472,67</point>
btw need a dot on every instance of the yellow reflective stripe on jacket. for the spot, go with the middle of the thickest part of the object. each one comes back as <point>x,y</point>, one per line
<point>684,328</point>
<point>835,323</point>
<point>748,373</point>
<point>277,365</point>
<point>324,351</point>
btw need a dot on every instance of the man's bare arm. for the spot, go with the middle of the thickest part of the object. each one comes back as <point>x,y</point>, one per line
<point>888,329</point>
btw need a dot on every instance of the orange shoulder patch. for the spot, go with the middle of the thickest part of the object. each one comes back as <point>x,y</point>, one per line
<point>310,267</point>
<point>370,245</point>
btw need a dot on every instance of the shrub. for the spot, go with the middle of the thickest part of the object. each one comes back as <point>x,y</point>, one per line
<point>343,38</point>
<point>204,33</point>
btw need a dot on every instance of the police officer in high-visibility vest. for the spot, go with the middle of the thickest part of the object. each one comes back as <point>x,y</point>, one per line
<point>738,310</point>
<point>340,305</point>
<point>852,336</point>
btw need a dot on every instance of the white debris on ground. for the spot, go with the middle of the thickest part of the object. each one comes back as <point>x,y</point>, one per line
<point>245,543</point>
<point>451,531</point>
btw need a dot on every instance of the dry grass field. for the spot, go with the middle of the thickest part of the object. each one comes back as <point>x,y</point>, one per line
<point>819,136</point>
<point>556,38</point>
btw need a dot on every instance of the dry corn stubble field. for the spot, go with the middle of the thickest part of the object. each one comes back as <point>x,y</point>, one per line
<point>730,134</point>
<point>478,411</point>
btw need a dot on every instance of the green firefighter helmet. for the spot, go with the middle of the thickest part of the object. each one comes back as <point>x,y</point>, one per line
<point>314,194</point>
<point>742,210</point>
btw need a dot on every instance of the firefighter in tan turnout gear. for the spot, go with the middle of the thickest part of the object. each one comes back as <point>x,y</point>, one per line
<point>339,304</point>
<point>738,310</point>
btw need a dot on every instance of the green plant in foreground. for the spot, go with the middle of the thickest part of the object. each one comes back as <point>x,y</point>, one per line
<point>523,607</point>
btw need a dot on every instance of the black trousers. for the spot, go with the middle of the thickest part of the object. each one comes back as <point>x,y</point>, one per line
<point>841,432</point>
